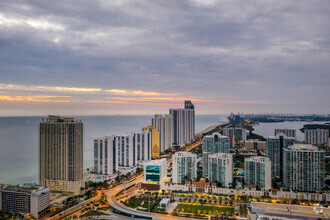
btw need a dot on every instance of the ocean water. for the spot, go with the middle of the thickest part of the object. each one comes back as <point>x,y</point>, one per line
<point>267,129</point>
<point>19,143</point>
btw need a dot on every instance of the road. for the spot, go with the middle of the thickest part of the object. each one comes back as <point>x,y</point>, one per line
<point>111,196</point>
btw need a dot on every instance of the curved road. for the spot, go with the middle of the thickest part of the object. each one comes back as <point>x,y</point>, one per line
<point>111,196</point>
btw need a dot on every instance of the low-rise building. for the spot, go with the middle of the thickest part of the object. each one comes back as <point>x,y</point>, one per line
<point>25,199</point>
<point>155,173</point>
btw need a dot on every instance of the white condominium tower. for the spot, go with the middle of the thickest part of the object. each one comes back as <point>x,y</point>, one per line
<point>303,168</point>
<point>115,151</point>
<point>287,132</point>
<point>258,172</point>
<point>183,125</point>
<point>104,155</point>
<point>221,168</point>
<point>316,136</point>
<point>184,167</point>
<point>61,154</point>
<point>164,124</point>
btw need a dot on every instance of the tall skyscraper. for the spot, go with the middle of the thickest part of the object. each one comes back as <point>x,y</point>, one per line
<point>61,154</point>
<point>275,146</point>
<point>287,132</point>
<point>221,168</point>
<point>155,141</point>
<point>183,125</point>
<point>257,172</point>
<point>215,143</point>
<point>304,168</point>
<point>104,155</point>
<point>165,126</point>
<point>316,136</point>
<point>188,105</point>
<point>184,167</point>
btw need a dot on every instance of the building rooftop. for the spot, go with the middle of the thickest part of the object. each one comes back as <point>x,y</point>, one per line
<point>257,159</point>
<point>157,162</point>
<point>25,188</point>
<point>303,147</point>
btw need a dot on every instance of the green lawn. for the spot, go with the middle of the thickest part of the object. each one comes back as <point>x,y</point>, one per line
<point>195,208</point>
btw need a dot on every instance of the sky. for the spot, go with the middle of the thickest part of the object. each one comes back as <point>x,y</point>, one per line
<point>138,57</point>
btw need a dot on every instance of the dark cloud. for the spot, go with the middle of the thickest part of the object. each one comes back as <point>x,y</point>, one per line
<point>223,50</point>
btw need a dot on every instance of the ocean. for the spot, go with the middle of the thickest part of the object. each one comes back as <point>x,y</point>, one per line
<point>19,140</point>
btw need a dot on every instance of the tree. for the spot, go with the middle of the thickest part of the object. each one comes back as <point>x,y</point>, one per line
<point>219,184</point>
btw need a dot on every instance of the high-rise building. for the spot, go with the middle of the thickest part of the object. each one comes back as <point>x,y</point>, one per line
<point>116,151</point>
<point>275,146</point>
<point>188,104</point>
<point>304,168</point>
<point>316,136</point>
<point>184,167</point>
<point>215,143</point>
<point>238,134</point>
<point>133,148</point>
<point>287,132</point>
<point>24,199</point>
<point>104,155</point>
<point>61,154</point>
<point>183,125</point>
<point>155,141</point>
<point>257,172</point>
<point>221,168</point>
<point>164,123</point>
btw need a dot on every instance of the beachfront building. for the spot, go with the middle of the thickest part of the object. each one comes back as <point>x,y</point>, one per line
<point>257,172</point>
<point>61,154</point>
<point>316,136</point>
<point>184,167</point>
<point>287,132</point>
<point>220,167</point>
<point>24,199</point>
<point>155,141</point>
<point>304,168</point>
<point>104,155</point>
<point>164,124</point>
<point>275,146</point>
<point>183,126</point>
<point>215,143</point>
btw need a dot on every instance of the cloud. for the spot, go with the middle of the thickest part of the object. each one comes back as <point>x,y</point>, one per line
<point>40,98</point>
<point>237,54</point>
<point>138,92</point>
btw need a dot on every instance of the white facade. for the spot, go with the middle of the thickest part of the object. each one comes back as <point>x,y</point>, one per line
<point>155,171</point>
<point>238,134</point>
<point>164,124</point>
<point>118,151</point>
<point>104,155</point>
<point>221,168</point>
<point>184,167</point>
<point>258,172</point>
<point>183,126</point>
<point>316,136</point>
